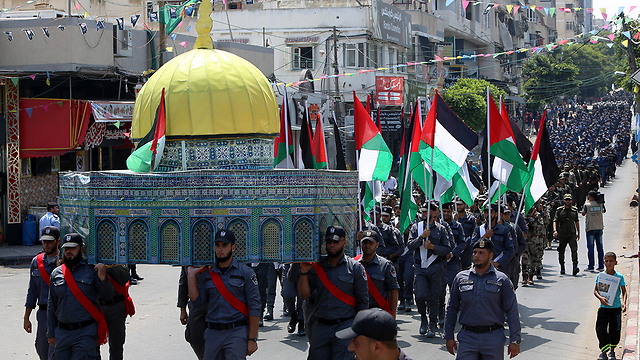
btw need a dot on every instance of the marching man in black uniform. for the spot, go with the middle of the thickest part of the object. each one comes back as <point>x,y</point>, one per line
<point>340,283</point>
<point>381,275</point>
<point>41,267</point>
<point>430,244</point>
<point>230,290</point>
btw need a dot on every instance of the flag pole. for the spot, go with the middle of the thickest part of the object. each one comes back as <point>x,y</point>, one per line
<point>499,182</point>
<point>489,156</point>
<point>324,142</point>
<point>429,189</point>
<point>285,108</point>
<point>522,201</point>
<point>359,208</point>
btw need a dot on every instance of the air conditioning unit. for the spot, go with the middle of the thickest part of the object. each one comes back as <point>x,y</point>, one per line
<point>122,43</point>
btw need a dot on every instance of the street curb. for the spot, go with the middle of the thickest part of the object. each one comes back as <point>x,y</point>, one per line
<point>15,260</point>
<point>631,334</point>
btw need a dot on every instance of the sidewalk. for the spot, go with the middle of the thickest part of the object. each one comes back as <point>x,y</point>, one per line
<point>17,254</point>
<point>631,339</point>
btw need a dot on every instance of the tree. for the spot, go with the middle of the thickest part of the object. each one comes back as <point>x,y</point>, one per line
<point>624,54</point>
<point>596,65</point>
<point>549,78</point>
<point>468,98</point>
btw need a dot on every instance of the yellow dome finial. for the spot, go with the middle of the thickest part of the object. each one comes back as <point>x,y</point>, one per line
<point>203,26</point>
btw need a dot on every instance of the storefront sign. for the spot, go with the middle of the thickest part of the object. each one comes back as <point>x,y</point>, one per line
<point>112,111</point>
<point>389,90</point>
<point>391,24</point>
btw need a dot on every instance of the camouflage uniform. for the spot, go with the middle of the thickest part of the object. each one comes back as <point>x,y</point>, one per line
<point>532,257</point>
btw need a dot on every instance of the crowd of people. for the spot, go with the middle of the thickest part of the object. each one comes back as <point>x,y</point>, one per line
<point>455,264</point>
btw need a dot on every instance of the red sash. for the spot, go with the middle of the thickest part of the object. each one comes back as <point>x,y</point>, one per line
<point>373,290</point>
<point>347,299</point>
<point>103,331</point>
<point>227,295</point>
<point>124,291</point>
<point>43,272</point>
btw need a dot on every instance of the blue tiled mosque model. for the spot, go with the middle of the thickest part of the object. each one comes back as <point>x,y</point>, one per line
<point>216,173</point>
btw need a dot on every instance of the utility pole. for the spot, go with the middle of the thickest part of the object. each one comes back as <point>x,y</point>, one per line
<point>336,71</point>
<point>163,36</point>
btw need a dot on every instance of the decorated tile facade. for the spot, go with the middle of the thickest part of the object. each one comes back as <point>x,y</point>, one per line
<point>170,218</point>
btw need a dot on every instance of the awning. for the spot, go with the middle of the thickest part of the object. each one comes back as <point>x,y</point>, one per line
<point>51,127</point>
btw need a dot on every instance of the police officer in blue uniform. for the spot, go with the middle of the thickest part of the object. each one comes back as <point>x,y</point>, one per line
<point>194,318</point>
<point>292,300</point>
<point>381,271</point>
<point>452,264</point>
<point>503,243</point>
<point>520,244</point>
<point>333,311</point>
<point>233,312</point>
<point>115,312</point>
<point>482,296</point>
<point>51,218</point>
<point>71,329</point>
<point>430,245</point>
<point>387,236</point>
<point>38,292</point>
<point>468,222</point>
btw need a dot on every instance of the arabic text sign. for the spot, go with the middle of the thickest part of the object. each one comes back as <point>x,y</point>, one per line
<point>112,111</point>
<point>391,24</point>
<point>389,90</point>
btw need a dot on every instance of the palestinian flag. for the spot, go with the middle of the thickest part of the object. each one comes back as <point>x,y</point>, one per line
<point>513,176</point>
<point>542,166</point>
<point>148,153</point>
<point>420,170</point>
<point>319,148</point>
<point>460,185</point>
<point>372,197</point>
<point>283,147</point>
<point>502,142</point>
<point>306,150</point>
<point>445,139</point>
<point>408,206</point>
<point>340,162</point>
<point>375,157</point>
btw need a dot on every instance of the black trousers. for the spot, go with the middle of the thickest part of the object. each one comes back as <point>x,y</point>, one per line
<point>608,325</point>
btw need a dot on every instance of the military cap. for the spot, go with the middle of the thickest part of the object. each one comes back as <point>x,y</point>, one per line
<point>335,233</point>
<point>567,197</point>
<point>50,233</point>
<point>226,236</point>
<point>483,244</point>
<point>370,235</point>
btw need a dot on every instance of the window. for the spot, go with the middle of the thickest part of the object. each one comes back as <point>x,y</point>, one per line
<point>303,57</point>
<point>532,16</point>
<point>392,59</point>
<point>487,20</point>
<point>569,26</point>
<point>374,55</point>
<point>350,55</point>
<point>402,59</point>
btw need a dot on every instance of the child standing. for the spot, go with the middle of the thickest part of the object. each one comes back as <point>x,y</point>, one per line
<point>609,321</point>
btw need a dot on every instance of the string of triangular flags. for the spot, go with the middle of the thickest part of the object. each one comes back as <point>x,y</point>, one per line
<point>593,38</point>
<point>44,107</point>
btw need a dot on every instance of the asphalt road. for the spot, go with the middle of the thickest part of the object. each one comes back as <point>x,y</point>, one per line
<point>557,313</point>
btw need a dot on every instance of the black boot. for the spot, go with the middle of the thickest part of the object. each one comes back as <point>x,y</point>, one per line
<point>291,328</point>
<point>408,304</point>
<point>301,331</point>
<point>401,305</point>
<point>539,274</point>
<point>575,270</point>
<point>424,323</point>
<point>269,314</point>
<point>562,269</point>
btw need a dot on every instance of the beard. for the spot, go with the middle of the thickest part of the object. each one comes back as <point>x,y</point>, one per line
<point>73,261</point>
<point>335,254</point>
<point>223,259</point>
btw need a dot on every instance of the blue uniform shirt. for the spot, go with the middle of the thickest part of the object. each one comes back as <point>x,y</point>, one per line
<point>49,219</point>
<point>438,238</point>
<point>241,282</point>
<point>503,243</point>
<point>458,242</point>
<point>482,300</point>
<point>63,305</point>
<point>383,275</point>
<point>38,293</point>
<point>348,276</point>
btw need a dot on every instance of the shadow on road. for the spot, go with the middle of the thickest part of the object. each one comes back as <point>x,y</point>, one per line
<point>528,319</point>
